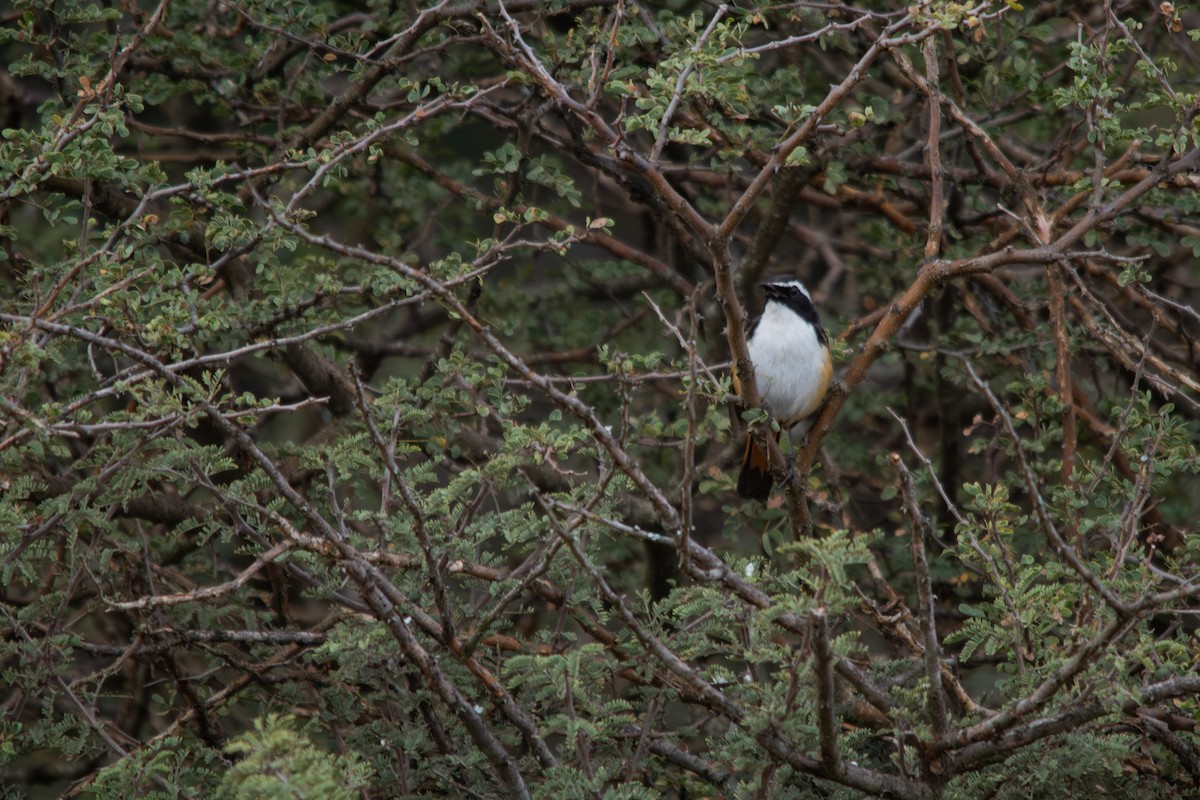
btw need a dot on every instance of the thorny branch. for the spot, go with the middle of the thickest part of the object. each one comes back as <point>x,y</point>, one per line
<point>978,214</point>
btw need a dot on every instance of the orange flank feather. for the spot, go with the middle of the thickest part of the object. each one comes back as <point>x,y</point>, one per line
<point>823,378</point>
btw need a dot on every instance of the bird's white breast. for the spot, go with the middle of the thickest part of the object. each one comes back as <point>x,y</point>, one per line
<point>790,363</point>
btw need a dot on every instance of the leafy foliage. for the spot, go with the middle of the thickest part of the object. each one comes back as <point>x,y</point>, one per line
<point>365,413</point>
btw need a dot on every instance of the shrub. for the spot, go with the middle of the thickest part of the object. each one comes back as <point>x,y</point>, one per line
<point>366,426</point>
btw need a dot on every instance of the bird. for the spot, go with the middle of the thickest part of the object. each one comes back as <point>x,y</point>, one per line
<point>792,367</point>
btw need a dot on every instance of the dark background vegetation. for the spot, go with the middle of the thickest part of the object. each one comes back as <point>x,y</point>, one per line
<point>366,429</point>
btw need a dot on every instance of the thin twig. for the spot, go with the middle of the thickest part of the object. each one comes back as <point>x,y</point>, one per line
<point>938,715</point>
<point>1042,513</point>
<point>827,730</point>
<point>664,125</point>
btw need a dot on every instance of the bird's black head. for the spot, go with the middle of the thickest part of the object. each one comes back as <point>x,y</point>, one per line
<point>792,293</point>
<point>785,286</point>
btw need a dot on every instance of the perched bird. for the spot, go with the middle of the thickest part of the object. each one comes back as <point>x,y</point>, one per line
<point>792,367</point>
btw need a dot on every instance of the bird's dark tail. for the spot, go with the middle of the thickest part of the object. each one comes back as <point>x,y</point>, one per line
<point>754,481</point>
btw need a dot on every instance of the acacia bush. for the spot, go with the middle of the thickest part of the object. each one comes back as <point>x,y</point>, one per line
<point>366,427</point>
